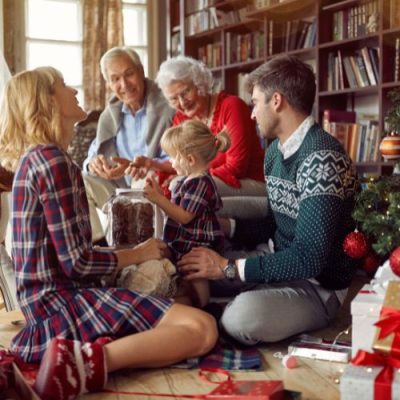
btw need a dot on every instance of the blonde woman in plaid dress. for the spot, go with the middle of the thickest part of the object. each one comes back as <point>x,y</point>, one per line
<point>78,329</point>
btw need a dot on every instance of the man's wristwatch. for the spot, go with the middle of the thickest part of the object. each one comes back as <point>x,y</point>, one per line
<point>230,271</point>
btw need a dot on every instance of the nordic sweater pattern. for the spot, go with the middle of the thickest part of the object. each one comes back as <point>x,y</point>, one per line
<point>311,197</point>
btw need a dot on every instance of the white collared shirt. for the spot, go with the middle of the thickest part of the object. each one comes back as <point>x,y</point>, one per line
<point>296,138</point>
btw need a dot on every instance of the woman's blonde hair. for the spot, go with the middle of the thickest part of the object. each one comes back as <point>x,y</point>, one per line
<point>28,114</point>
<point>194,137</point>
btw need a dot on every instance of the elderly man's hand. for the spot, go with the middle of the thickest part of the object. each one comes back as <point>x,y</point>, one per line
<point>101,167</point>
<point>201,262</point>
<point>139,167</point>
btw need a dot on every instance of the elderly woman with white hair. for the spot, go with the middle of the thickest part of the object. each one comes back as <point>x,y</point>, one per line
<point>187,85</point>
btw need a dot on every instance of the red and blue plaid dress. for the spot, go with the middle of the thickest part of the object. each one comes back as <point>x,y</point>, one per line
<point>57,270</point>
<point>197,195</point>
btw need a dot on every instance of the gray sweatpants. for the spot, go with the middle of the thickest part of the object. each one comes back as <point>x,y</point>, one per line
<point>272,312</point>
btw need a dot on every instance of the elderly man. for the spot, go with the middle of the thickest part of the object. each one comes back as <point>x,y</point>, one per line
<point>311,188</point>
<point>130,126</point>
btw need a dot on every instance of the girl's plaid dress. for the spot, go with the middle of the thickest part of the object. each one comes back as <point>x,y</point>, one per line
<point>58,272</point>
<point>197,195</point>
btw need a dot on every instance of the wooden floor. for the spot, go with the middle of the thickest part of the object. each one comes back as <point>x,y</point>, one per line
<point>317,380</point>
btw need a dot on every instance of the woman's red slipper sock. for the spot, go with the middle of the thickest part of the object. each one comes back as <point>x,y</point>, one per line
<point>70,368</point>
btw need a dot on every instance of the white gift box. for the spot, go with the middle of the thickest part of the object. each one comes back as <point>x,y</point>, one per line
<point>357,383</point>
<point>383,275</point>
<point>365,310</point>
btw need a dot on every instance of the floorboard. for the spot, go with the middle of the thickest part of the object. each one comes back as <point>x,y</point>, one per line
<point>315,379</point>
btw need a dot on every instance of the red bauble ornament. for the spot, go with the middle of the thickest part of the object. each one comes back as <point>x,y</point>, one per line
<point>371,263</point>
<point>394,261</point>
<point>356,245</point>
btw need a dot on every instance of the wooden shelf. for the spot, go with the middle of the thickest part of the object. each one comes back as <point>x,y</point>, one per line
<point>349,42</point>
<point>340,5</point>
<point>364,91</point>
<point>274,27</point>
<point>288,7</point>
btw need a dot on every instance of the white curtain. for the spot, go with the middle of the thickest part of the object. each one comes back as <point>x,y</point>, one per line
<point>4,73</point>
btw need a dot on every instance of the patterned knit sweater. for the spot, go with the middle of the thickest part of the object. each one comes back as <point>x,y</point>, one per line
<point>311,197</point>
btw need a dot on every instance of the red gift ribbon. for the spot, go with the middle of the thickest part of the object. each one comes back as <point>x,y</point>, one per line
<point>383,381</point>
<point>389,323</point>
<point>202,376</point>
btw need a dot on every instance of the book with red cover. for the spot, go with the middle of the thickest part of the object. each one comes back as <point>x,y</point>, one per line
<point>332,115</point>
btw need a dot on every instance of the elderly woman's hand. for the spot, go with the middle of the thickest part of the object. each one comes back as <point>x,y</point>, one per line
<point>201,262</point>
<point>139,167</point>
<point>101,167</point>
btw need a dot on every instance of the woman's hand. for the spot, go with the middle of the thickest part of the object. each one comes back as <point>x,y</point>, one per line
<point>151,249</point>
<point>99,166</point>
<point>152,190</point>
<point>139,167</point>
<point>201,262</point>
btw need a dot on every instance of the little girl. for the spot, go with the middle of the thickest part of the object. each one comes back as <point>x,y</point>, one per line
<point>192,221</point>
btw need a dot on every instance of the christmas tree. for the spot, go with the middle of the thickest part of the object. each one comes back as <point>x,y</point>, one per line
<point>377,214</point>
<point>392,118</point>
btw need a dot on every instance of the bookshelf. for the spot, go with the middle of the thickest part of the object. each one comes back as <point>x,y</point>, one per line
<point>352,45</point>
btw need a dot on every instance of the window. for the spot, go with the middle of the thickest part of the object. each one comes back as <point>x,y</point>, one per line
<point>135,28</point>
<point>53,35</point>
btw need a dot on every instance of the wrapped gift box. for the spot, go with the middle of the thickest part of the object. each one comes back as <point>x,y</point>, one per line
<point>365,309</point>
<point>13,383</point>
<point>387,336</point>
<point>383,275</point>
<point>358,383</point>
<point>249,390</point>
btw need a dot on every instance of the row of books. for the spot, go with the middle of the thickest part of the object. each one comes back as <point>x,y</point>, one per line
<point>357,70</point>
<point>197,5</point>
<point>244,47</point>
<point>211,54</point>
<point>359,138</point>
<point>212,18</point>
<point>356,21</point>
<point>291,35</point>
<point>396,73</point>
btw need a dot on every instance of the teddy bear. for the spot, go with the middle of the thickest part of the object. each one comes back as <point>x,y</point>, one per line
<point>153,277</point>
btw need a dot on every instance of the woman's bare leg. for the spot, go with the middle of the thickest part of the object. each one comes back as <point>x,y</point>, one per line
<point>183,332</point>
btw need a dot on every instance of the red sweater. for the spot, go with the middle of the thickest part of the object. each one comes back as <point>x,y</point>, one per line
<point>245,157</point>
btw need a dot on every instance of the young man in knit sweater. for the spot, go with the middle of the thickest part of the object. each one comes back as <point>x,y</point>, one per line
<point>311,186</point>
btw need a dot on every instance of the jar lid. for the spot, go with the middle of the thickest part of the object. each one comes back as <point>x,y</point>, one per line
<point>128,191</point>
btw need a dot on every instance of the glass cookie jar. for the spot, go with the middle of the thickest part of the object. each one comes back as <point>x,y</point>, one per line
<point>133,219</point>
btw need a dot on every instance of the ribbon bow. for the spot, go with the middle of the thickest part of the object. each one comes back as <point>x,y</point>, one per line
<point>390,323</point>
<point>383,381</point>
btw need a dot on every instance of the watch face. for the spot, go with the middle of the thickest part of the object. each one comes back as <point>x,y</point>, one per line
<point>230,271</point>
